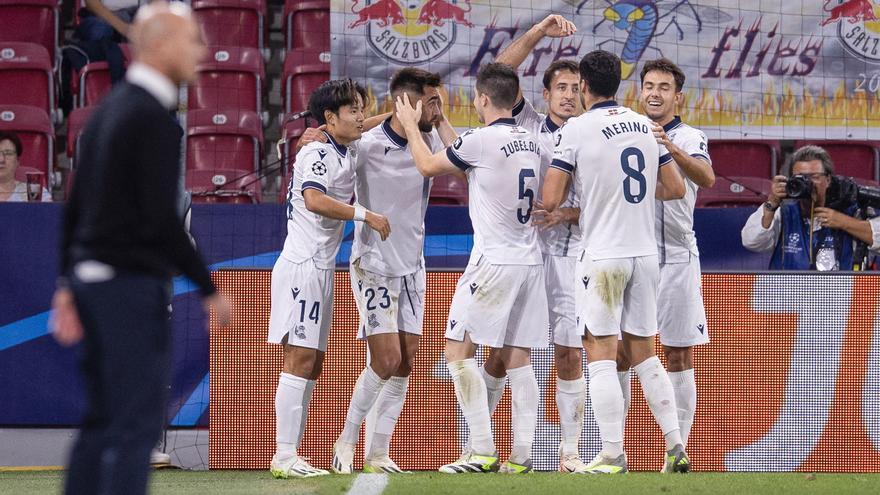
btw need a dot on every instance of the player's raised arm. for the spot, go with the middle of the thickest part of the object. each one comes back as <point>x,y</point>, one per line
<point>428,164</point>
<point>554,26</point>
<point>556,184</point>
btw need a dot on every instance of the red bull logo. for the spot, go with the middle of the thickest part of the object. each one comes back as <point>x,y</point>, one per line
<point>858,26</point>
<point>410,32</point>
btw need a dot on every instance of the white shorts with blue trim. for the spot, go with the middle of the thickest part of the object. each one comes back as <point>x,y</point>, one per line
<point>617,295</point>
<point>681,314</point>
<point>388,304</point>
<point>302,304</point>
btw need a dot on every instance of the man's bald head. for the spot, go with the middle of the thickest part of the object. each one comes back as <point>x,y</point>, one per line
<point>166,37</point>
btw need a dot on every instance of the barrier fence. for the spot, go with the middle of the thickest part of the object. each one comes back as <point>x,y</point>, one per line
<point>790,382</point>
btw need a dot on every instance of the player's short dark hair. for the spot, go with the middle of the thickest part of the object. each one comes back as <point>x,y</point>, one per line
<point>333,95</point>
<point>667,66</point>
<point>809,153</point>
<point>556,67</point>
<point>500,83</point>
<point>601,71</point>
<point>413,80</point>
<point>10,136</point>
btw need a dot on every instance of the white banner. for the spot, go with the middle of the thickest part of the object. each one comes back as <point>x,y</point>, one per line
<point>755,69</point>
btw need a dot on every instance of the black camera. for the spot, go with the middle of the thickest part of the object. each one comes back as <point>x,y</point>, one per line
<point>799,187</point>
<point>845,192</point>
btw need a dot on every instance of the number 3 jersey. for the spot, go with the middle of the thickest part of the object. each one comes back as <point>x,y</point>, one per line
<point>613,152</point>
<point>502,162</point>
<point>329,168</point>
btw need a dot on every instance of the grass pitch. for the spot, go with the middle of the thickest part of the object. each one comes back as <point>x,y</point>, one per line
<point>260,482</point>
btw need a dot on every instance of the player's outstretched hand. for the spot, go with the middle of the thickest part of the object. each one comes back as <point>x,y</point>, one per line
<point>64,322</point>
<point>310,135</point>
<point>556,26</point>
<point>660,134</point>
<point>406,113</point>
<point>379,223</point>
<point>220,305</point>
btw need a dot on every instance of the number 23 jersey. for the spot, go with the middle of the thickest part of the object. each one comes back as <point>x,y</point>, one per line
<point>502,161</point>
<point>616,158</point>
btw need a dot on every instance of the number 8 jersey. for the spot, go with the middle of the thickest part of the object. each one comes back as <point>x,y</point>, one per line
<point>617,159</point>
<point>502,161</point>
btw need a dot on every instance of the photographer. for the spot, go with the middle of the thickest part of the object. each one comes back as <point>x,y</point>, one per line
<point>805,232</point>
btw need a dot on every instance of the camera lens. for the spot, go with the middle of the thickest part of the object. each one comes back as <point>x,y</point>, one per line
<point>798,187</point>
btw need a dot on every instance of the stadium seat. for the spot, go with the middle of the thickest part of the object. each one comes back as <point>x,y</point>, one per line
<point>307,24</point>
<point>291,131</point>
<point>304,71</point>
<point>859,159</point>
<point>92,82</point>
<point>449,190</point>
<point>228,139</point>
<point>33,127</point>
<point>734,191</point>
<point>745,158</point>
<point>26,76</point>
<point>223,186</point>
<point>76,121</point>
<point>232,23</point>
<point>230,77</point>
<point>32,21</point>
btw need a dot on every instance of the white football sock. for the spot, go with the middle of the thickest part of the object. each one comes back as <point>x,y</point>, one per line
<point>660,397</point>
<point>288,412</point>
<point>626,387</point>
<point>387,410</point>
<point>494,389</point>
<point>524,412</point>
<point>366,391</point>
<point>570,395</point>
<point>470,391</point>
<point>685,387</point>
<point>307,397</point>
<point>607,400</point>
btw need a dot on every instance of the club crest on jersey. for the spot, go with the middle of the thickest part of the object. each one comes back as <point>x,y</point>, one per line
<point>318,168</point>
<point>410,32</point>
<point>300,332</point>
<point>295,292</point>
<point>474,287</point>
<point>373,321</point>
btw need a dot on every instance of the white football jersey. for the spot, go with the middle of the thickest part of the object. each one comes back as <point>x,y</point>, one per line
<point>612,151</point>
<point>502,162</point>
<point>676,240</point>
<point>388,182</point>
<point>560,240</point>
<point>329,168</point>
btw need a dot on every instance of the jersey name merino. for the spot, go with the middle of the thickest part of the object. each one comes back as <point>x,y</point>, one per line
<point>616,158</point>
<point>676,240</point>
<point>563,239</point>
<point>389,183</point>
<point>329,168</point>
<point>502,162</point>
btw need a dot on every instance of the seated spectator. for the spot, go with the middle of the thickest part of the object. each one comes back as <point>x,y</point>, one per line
<point>10,156</point>
<point>805,233</point>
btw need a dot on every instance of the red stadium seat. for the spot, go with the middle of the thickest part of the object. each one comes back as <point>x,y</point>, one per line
<point>231,77</point>
<point>449,190</point>
<point>291,131</point>
<point>33,127</point>
<point>229,139</point>
<point>304,71</point>
<point>858,159</point>
<point>223,186</point>
<point>232,22</point>
<point>76,121</point>
<point>26,76</point>
<point>744,158</point>
<point>92,82</point>
<point>734,191</point>
<point>32,21</point>
<point>307,24</point>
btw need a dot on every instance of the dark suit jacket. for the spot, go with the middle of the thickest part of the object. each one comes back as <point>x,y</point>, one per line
<point>123,208</point>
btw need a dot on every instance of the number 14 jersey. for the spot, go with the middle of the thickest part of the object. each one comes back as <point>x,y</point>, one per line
<point>617,160</point>
<point>502,161</point>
